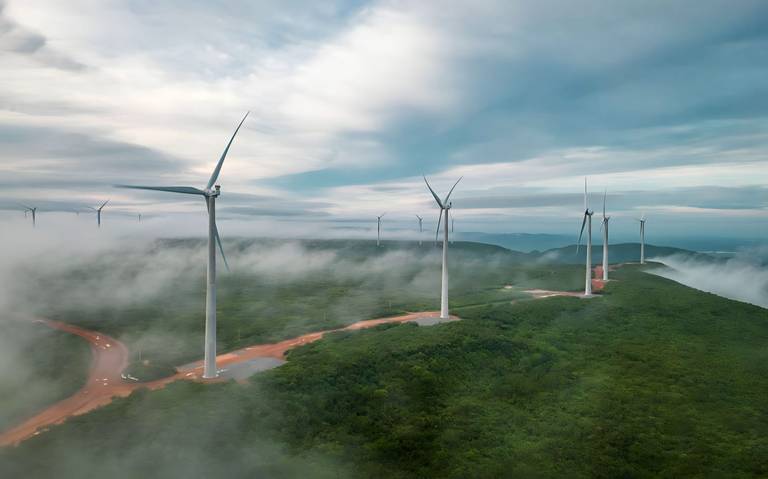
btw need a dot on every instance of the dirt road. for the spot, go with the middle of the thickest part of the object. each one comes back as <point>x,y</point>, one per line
<point>110,358</point>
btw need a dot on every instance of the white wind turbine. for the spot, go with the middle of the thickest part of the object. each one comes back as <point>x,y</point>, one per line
<point>34,213</point>
<point>378,229</point>
<point>421,229</point>
<point>588,222</point>
<point>209,193</point>
<point>453,229</point>
<point>642,239</point>
<point>444,205</point>
<point>604,226</point>
<point>98,212</point>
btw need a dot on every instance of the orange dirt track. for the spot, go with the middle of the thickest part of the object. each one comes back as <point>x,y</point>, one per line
<point>110,358</point>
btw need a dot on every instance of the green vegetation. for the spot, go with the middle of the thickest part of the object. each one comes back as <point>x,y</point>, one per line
<point>290,289</point>
<point>39,366</point>
<point>653,379</point>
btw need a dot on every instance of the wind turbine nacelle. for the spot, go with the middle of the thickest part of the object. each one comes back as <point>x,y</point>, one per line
<point>216,191</point>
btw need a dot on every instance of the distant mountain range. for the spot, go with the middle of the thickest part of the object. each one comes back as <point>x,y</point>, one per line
<point>617,253</point>
<point>524,242</point>
<point>528,242</point>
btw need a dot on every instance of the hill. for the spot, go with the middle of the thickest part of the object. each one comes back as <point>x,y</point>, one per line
<point>617,253</point>
<point>524,242</point>
<point>651,379</point>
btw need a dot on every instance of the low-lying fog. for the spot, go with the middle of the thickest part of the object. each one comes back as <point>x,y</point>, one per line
<point>744,277</point>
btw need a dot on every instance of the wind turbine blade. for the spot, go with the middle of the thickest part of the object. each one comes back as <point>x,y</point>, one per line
<point>221,248</point>
<point>216,170</point>
<point>449,193</point>
<point>172,189</point>
<point>583,222</point>
<point>604,196</point>
<point>439,219</point>
<point>439,203</point>
<point>103,204</point>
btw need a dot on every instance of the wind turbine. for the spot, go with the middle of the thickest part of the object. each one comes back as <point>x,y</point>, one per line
<point>378,229</point>
<point>421,229</point>
<point>98,212</point>
<point>642,239</point>
<point>444,205</point>
<point>588,222</point>
<point>604,227</point>
<point>139,217</point>
<point>34,213</point>
<point>209,193</point>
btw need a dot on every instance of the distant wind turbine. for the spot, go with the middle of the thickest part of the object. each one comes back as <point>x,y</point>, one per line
<point>421,229</point>
<point>209,193</point>
<point>604,227</point>
<point>378,229</point>
<point>642,239</point>
<point>139,217</point>
<point>34,214</point>
<point>444,205</point>
<point>588,222</point>
<point>98,212</point>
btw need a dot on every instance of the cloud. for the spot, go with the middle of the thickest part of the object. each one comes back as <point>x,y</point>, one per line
<point>743,277</point>
<point>351,102</point>
<point>16,39</point>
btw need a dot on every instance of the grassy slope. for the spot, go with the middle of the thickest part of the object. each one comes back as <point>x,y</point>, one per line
<point>654,379</point>
<point>55,365</point>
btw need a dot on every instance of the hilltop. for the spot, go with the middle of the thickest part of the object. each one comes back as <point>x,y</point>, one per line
<point>653,378</point>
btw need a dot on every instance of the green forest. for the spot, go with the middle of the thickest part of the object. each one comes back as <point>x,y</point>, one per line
<point>651,379</point>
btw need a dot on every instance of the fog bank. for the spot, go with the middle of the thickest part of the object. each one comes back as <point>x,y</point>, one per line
<point>743,277</point>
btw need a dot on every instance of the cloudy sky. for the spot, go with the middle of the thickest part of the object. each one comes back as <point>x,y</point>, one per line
<point>664,103</point>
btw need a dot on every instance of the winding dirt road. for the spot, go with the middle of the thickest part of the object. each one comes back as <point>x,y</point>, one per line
<point>110,358</point>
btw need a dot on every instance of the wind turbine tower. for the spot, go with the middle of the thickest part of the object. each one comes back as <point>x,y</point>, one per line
<point>642,240</point>
<point>209,193</point>
<point>444,205</point>
<point>421,229</point>
<point>34,214</point>
<point>605,239</point>
<point>378,229</point>
<point>98,212</point>
<point>587,221</point>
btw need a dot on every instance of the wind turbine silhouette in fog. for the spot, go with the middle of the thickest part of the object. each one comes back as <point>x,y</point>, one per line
<point>604,227</point>
<point>378,229</point>
<point>34,214</point>
<point>444,205</point>
<point>421,229</point>
<point>588,222</point>
<point>98,212</point>
<point>642,239</point>
<point>209,193</point>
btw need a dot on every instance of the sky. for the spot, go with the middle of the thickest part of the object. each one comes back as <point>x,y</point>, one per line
<point>663,105</point>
